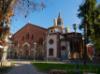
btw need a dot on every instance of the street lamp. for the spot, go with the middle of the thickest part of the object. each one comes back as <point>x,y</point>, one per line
<point>34,49</point>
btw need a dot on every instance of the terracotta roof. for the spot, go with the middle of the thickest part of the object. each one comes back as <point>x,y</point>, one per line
<point>31,25</point>
<point>36,26</point>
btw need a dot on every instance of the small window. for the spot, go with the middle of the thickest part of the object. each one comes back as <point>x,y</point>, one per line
<point>27,36</point>
<point>51,31</point>
<point>63,48</point>
<point>16,43</point>
<point>51,41</point>
<point>23,38</point>
<point>32,37</point>
<point>40,41</point>
<point>51,52</point>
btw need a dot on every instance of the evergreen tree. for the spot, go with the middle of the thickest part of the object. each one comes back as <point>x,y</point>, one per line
<point>89,12</point>
<point>86,11</point>
<point>96,30</point>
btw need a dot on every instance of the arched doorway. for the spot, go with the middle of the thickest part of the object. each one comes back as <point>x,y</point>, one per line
<point>63,53</point>
<point>26,51</point>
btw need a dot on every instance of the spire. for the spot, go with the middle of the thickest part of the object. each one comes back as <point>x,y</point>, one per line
<point>59,20</point>
<point>59,15</point>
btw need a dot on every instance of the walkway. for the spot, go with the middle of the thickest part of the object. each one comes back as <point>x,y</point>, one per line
<point>24,68</point>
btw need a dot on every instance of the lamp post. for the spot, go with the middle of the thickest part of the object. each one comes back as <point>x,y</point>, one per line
<point>35,44</point>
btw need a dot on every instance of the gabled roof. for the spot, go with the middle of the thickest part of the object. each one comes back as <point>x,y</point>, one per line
<point>28,24</point>
<point>36,26</point>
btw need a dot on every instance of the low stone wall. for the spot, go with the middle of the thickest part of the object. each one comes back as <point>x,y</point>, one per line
<point>5,63</point>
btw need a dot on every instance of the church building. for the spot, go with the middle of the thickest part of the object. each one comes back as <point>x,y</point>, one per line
<point>27,42</point>
<point>54,43</point>
<point>61,44</point>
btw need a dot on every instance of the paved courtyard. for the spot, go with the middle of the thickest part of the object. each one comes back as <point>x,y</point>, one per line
<point>24,67</point>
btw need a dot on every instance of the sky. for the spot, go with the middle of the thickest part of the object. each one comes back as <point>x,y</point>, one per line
<point>44,18</point>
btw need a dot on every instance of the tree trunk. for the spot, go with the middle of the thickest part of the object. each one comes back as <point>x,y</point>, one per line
<point>4,56</point>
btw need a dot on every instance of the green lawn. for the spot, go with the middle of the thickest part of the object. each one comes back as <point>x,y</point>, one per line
<point>46,67</point>
<point>4,69</point>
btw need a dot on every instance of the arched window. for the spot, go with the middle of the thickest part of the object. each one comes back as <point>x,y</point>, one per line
<point>23,38</point>
<point>32,37</point>
<point>27,36</point>
<point>40,41</point>
<point>26,50</point>
<point>16,43</point>
<point>63,48</point>
<point>51,52</point>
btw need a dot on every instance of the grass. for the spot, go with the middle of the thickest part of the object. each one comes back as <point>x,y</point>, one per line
<point>71,68</point>
<point>4,69</point>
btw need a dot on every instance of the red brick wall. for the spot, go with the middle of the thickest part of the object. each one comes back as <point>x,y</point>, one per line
<point>21,36</point>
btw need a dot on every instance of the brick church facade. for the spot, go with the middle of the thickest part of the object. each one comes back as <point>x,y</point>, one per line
<point>27,40</point>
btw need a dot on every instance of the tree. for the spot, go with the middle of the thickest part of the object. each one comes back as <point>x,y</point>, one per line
<point>5,14</point>
<point>8,8</point>
<point>86,13</point>
<point>96,27</point>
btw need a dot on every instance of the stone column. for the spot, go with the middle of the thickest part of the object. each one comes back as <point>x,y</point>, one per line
<point>68,49</point>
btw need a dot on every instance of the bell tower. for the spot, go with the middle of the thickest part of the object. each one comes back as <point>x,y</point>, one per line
<point>58,25</point>
<point>60,21</point>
